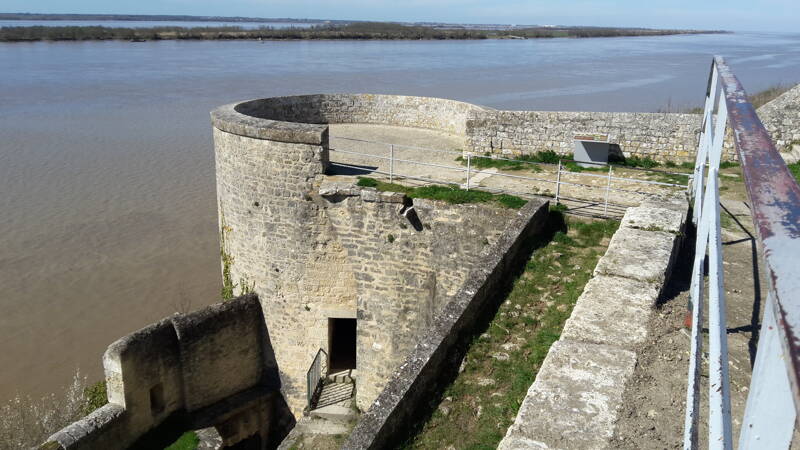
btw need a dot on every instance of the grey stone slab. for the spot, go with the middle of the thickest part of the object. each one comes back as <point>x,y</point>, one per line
<point>574,402</point>
<point>638,254</point>
<point>612,311</point>
<point>651,218</point>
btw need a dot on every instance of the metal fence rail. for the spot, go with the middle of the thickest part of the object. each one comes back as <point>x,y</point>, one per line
<point>316,373</point>
<point>770,412</point>
<point>470,172</point>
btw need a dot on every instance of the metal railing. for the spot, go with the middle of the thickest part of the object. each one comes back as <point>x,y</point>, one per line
<point>770,411</point>
<point>316,373</point>
<point>470,172</point>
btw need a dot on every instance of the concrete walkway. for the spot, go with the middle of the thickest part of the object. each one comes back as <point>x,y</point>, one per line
<point>413,144</point>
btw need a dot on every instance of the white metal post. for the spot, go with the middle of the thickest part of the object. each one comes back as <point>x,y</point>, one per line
<point>558,181</point>
<point>391,163</point>
<point>719,391</point>
<point>608,188</point>
<point>469,164</point>
<point>769,414</point>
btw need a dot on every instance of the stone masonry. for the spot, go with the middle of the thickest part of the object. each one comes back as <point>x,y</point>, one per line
<point>314,251</point>
<point>212,367</point>
<point>781,117</point>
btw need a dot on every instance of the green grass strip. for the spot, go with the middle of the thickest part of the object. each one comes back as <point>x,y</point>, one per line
<point>475,411</point>
<point>450,194</point>
<point>187,441</point>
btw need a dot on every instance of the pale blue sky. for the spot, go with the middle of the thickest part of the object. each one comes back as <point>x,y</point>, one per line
<point>762,15</point>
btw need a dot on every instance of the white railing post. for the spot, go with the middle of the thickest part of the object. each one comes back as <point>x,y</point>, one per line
<point>558,181</point>
<point>469,165</point>
<point>608,189</point>
<point>391,163</point>
<point>769,414</point>
<point>719,391</point>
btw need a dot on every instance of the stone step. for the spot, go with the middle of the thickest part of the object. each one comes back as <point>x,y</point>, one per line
<point>335,413</point>
<point>335,394</point>
<point>345,376</point>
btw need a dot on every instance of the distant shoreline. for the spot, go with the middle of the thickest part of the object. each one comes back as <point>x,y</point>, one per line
<point>349,31</point>
<point>157,18</point>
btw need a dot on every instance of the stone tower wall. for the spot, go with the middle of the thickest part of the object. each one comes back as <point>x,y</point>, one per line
<point>404,275</point>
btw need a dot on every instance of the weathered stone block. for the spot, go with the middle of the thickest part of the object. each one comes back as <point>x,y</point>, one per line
<point>612,311</point>
<point>650,218</point>
<point>638,254</point>
<point>574,401</point>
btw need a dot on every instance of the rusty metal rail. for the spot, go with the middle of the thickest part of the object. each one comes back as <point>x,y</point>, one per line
<point>774,395</point>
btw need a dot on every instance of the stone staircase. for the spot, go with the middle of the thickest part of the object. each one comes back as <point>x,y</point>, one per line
<point>335,401</point>
<point>333,413</point>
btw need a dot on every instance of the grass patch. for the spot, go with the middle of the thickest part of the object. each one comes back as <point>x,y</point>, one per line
<point>524,162</point>
<point>795,169</point>
<point>500,365</point>
<point>449,194</point>
<point>94,396</point>
<point>761,98</point>
<point>187,441</point>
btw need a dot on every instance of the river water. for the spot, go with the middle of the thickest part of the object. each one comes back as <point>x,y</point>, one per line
<point>107,201</point>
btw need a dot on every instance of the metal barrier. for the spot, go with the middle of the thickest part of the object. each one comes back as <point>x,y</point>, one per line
<point>316,373</point>
<point>471,172</point>
<point>770,412</point>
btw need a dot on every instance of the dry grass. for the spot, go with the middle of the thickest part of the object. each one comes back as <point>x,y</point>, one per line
<point>26,421</point>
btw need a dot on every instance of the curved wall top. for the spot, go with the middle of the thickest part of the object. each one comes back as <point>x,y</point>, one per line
<point>301,118</point>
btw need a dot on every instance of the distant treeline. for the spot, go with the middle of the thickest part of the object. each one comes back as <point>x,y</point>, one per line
<point>353,31</point>
<point>151,18</point>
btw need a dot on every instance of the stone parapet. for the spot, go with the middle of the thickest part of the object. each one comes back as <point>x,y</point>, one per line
<point>212,367</point>
<point>575,399</point>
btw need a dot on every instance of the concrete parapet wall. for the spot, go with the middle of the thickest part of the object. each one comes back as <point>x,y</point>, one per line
<point>575,399</point>
<point>179,370</point>
<point>440,350</point>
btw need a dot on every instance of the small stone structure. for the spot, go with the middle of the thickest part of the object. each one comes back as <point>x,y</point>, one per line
<point>213,367</point>
<point>575,399</point>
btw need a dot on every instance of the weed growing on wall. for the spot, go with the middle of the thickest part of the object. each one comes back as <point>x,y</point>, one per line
<point>227,260</point>
<point>478,407</point>
<point>95,396</point>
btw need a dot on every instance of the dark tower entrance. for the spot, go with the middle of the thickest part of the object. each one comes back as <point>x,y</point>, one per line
<point>341,344</point>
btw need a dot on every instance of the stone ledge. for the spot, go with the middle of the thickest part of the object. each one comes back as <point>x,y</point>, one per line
<point>638,254</point>
<point>612,311</point>
<point>648,218</point>
<point>574,401</point>
<point>228,118</point>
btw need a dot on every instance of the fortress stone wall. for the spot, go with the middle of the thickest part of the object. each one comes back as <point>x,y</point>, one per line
<point>213,367</point>
<point>315,252</point>
<point>781,117</point>
<point>404,276</point>
<point>659,136</point>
